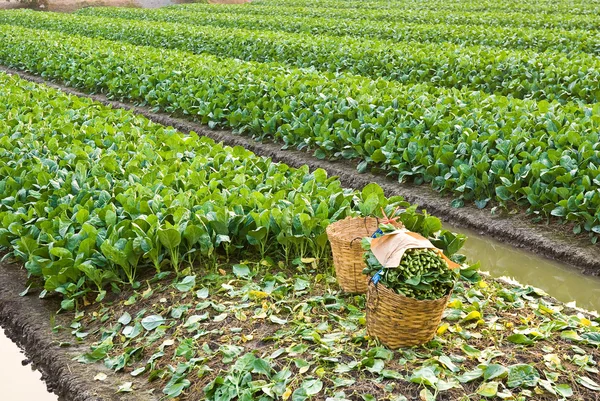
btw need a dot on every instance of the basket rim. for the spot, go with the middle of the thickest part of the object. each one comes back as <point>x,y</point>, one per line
<point>337,230</point>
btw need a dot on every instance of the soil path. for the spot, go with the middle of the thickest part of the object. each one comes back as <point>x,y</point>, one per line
<point>551,241</point>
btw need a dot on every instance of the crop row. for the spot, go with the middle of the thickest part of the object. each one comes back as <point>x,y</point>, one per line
<point>537,7</point>
<point>540,155</point>
<point>513,19</point>
<point>511,38</point>
<point>514,73</point>
<point>91,196</point>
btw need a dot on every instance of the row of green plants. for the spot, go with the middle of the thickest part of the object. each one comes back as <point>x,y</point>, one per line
<point>533,7</point>
<point>505,72</point>
<point>567,41</point>
<point>459,17</point>
<point>537,155</point>
<point>519,74</point>
<point>92,196</point>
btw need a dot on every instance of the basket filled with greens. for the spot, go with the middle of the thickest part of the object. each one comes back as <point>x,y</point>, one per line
<point>410,281</point>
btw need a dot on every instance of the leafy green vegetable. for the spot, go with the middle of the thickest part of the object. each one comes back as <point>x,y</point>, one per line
<point>91,196</point>
<point>407,62</point>
<point>422,273</point>
<point>539,156</point>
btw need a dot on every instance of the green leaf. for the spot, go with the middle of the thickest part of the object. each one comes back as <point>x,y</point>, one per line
<point>152,322</point>
<point>175,389</point>
<point>494,371</point>
<point>261,366</point>
<point>277,320</point>
<point>489,389</point>
<point>126,387</point>
<point>520,339</point>
<point>170,238</point>
<point>125,319</point>
<point>202,293</point>
<point>522,375</point>
<point>312,386</point>
<point>241,271</point>
<point>424,375</point>
<point>570,335</point>
<point>67,304</point>
<point>299,394</point>
<point>503,193</point>
<point>470,375</point>
<point>186,284</point>
<point>588,383</point>
<point>564,390</point>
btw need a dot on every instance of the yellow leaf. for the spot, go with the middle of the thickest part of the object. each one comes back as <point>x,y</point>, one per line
<point>455,304</point>
<point>553,361</point>
<point>473,315</point>
<point>257,294</point>
<point>585,322</point>
<point>287,394</point>
<point>442,329</point>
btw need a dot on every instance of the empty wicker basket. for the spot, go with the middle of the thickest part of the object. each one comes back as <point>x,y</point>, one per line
<point>398,321</point>
<point>345,237</point>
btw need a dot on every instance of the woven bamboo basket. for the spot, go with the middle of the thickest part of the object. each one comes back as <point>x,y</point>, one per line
<point>345,237</point>
<point>398,321</point>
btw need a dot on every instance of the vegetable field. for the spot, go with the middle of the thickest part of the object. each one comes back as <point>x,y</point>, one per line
<point>193,270</point>
<point>201,271</point>
<point>493,106</point>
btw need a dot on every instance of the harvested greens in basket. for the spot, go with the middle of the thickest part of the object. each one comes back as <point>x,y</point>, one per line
<point>422,273</point>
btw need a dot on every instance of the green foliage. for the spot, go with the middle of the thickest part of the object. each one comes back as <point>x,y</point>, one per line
<point>541,75</point>
<point>423,14</point>
<point>91,195</point>
<point>316,347</point>
<point>536,155</point>
<point>570,38</point>
<point>422,274</point>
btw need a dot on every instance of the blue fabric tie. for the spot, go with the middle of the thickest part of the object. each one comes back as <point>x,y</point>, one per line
<point>377,277</point>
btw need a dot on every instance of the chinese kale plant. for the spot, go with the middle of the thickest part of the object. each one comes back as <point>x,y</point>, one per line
<point>91,196</point>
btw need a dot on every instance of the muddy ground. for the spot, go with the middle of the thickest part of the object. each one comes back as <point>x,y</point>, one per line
<point>549,240</point>
<point>27,321</point>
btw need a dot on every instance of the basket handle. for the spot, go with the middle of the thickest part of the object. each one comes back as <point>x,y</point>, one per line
<point>365,224</point>
<point>359,238</point>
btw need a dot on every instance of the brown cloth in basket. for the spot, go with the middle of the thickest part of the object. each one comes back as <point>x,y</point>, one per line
<point>389,248</point>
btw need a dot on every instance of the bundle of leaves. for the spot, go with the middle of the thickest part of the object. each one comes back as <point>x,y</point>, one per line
<point>422,274</point>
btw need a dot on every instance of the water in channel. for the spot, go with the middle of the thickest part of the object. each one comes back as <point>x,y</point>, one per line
<point>561,282</point>
<point>18,382</point>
